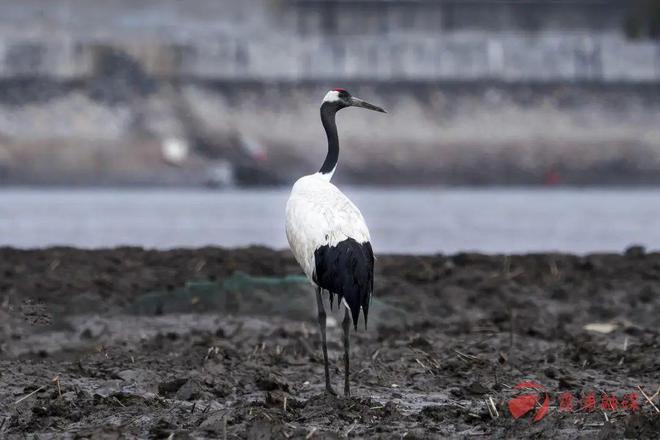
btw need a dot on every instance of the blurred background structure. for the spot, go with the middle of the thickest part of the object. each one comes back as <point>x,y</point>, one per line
<point>225,92</point>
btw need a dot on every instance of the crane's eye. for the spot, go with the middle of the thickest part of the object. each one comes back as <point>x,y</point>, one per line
<point>343,94</point>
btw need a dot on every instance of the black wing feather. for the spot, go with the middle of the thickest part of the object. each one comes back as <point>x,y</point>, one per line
<point>347,269</point>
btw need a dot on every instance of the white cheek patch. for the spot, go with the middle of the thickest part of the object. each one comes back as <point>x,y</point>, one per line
<point>331,96</point>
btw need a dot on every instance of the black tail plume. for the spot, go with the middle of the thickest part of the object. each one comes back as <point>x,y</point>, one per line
<point>347,269</point>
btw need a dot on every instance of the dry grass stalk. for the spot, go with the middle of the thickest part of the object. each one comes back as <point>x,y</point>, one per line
<point>29,395</point>
<point>56,380</point>
<point>648,398</point>
<point>466,356</point>
<point>350,428</point>
<point>492,409</point>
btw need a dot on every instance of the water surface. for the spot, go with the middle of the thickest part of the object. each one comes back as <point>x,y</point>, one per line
<point>416,220</point>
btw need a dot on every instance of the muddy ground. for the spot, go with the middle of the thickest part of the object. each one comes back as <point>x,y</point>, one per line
<point>128,343</point>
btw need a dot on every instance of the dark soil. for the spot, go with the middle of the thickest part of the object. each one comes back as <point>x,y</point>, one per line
<point>152,344</point>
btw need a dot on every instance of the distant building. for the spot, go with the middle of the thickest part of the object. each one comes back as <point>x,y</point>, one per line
<point>433,16</point>
<point>316,40</point>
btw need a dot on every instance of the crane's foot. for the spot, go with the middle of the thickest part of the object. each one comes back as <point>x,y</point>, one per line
<point>347,392</point>
<point>330,391</point>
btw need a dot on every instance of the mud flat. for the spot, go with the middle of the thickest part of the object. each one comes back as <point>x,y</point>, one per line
<point>213,343</point>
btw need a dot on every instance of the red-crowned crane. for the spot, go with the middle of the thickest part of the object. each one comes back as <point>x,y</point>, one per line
<point>329,237</point>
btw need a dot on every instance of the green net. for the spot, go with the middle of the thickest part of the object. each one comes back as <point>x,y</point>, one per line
<point>290,296</point>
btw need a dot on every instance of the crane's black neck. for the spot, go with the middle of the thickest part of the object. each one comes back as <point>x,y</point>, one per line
<point>328,111</point>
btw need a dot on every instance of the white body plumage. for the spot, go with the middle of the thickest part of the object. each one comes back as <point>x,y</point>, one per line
<point>319,214</point>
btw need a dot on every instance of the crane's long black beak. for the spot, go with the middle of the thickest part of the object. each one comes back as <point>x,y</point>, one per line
<point>356,102</point>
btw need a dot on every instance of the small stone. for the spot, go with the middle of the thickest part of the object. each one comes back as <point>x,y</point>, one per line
<point>567,382</point>
<point>170,387</point>
<point>457,392</point>
<point>421,343</point>
<point>635,251</point>
<point>259,430</point>
<point>270,382</point>
<point>550,372</point>
<point>214,423</point>
<point>477,388</point>
<point>162,429</point>
<point>276,398</point>
<point>188,391</point>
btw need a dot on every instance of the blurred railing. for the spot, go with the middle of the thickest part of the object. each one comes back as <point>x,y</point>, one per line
<point>452,56</point>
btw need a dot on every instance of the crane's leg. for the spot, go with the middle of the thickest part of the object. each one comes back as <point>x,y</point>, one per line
<point>322,316</point>
<point>346,326</point>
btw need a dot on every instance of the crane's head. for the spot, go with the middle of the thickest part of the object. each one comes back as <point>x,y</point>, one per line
<point>340,99</point>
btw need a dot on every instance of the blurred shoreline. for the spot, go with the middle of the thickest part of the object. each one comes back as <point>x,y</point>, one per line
<point>107,132</point>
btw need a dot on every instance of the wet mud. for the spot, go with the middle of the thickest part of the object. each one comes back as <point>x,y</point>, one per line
<point>215,343</point>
